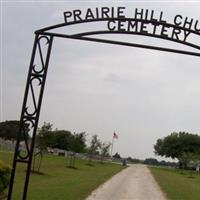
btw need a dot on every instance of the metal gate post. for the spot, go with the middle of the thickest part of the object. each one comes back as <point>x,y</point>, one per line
<point>31,108</point>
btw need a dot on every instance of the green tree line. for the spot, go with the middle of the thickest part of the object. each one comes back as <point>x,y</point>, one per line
<point>183,146</point>
<point>47,137</point>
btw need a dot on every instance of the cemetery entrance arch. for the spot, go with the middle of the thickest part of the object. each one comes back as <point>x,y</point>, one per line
<point>182,30</point>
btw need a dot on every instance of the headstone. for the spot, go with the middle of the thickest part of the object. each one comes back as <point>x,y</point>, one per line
<point>198,168</point>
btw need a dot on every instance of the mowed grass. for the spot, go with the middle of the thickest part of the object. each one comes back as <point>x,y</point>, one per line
<point>178,184</point>
<point>60,182</point>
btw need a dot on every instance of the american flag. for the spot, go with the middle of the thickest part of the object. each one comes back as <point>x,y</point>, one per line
<point>115,135</point>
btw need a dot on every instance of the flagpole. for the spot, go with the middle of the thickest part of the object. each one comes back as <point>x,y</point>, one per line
<point>112,146</point>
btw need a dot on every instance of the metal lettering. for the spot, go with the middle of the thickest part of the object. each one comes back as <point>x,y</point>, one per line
<point>175,33</point>
<point>143,27</point>
<point>186,34</point>
<point>120,12</point>
<point>161,16</point>
<point>140,14</point>
<point>67,15</point>
<point>133,25</point>
<point>155,27</point>
<point>111,28</point>
<point>105,11</point>
<point>89,14</point>
<point>176,20</point>
<point>97,13</point>
<point>152,15</point>
<point>189,23</point>
<point>164,31</point>
<point>121,26</point>
<point>195,26</point>
<point>146,14</point>
<point>77,14</point>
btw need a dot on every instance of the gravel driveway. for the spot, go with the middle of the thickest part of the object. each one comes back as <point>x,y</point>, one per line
<point>133,183</point>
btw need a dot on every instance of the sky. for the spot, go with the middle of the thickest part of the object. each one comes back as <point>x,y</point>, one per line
<point>140,94</point>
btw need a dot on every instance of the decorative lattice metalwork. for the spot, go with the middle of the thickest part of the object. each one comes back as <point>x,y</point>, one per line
<point>31,107</point>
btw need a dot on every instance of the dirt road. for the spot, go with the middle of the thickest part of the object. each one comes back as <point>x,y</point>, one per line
<point>133,183</point>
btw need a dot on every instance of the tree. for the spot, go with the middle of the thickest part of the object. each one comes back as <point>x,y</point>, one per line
<point>44,139</point>
<point>94,147</point>
<point>78,142</point>
<point>104,150</point>
<point>47,137</point>
<point>151,161</point>
<point>62,139</point>
<point>9,130</point>
<point>77,145</point>
<point>117,156</point>
<point>134,160</point>
<point>178,145</point>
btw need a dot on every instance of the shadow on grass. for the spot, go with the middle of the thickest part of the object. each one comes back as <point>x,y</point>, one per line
<point>190,177</point>
<point>90,164</point>
<point>38,173</point>
<point>188,174</point>
<point>72,167</point>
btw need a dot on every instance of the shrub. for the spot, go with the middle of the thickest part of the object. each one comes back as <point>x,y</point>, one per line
<point>4,176</point>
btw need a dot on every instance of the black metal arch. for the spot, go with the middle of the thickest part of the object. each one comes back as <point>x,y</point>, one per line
<point>84,35</point>
<point>140,34</point>
<point>37,77</point>
<point>112,19</point>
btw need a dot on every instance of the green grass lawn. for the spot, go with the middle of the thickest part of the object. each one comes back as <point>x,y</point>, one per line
<point>60,182</point>
<point>178,184</point>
